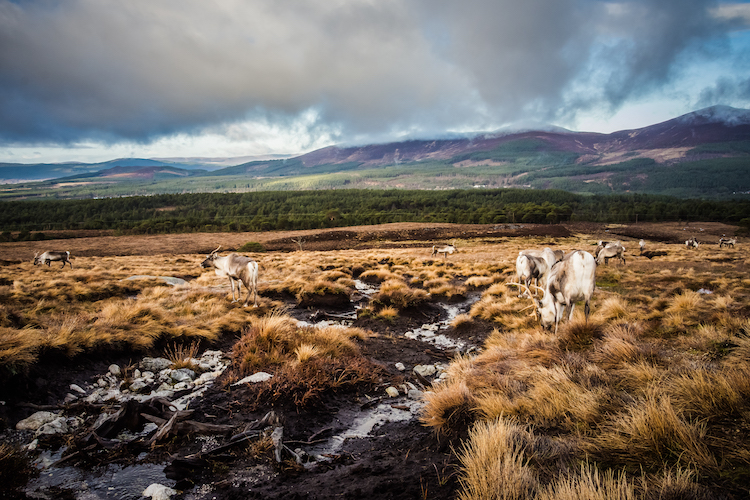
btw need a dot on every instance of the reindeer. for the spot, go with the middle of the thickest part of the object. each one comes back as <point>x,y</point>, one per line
<point>729,242</point>
<point>613,249</point>
<point>691,243</point>
<point>51,256</point>
<point>570,280</point>
<point>235,267</point>
<point>444,249</point>
<point>641,246</point>
<point>534,265</point>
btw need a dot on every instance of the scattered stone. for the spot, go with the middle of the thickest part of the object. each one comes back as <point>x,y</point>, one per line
<point>137,385</point>
<point>400,367</point>
<point>159,492</point>
<point>57,426</point>
<point>77,388</point>
<point>182,375</point>
<point>425,370</point>
<point>69,398</point>
<point>154,364</point>
<point>255,378</point>
<point>35,421</point>
<point>392,392</point>
<point>114,370</point>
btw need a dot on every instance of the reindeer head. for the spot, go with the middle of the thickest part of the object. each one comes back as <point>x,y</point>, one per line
<point>542,310</point>
<point>210,258</point>
<point>36,258</point>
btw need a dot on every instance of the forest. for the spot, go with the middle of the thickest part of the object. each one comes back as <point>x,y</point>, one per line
<point>291,210</point>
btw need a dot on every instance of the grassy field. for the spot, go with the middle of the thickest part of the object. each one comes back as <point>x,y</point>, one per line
<point>648,399</point>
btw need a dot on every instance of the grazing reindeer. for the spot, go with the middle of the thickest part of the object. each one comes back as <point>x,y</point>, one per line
<point>570,280</point>
<point>611,250</point>
<point>641,246</point>
<point>444,249</point>
<point>236,267</point>
<point>691,243</point>
<point>729,242</point>
<point>51,256</point>
<point>534,265</point>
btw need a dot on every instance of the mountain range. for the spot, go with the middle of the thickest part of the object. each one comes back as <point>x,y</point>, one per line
<point>705,153</point>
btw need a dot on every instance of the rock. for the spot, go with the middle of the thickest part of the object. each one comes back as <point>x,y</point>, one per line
<point>159,492</point>
<point>114,370</point>
<point>36,420</point>
<point>137,385</point>
<point>415,394</point>
<point>206,377</point>
<point>154,364</point>
<point>77,388</point>
<point>57,426</point>
<point>182,375</point>
<point>400,367</point>
<point>69,398</point>
<point>392,392</point>
<point>425,370</point>
<point>254,378</point>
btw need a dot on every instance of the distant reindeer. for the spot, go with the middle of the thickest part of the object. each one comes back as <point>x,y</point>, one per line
<point>728,242</point>
<point>235,267</point>
<point>51,256</point>
<point>691,243</point>
<point>444,249</point>
<point>613,249</point>
<point>641,246</point>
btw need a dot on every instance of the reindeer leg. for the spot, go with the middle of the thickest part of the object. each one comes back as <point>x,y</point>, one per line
<point>231,284</point>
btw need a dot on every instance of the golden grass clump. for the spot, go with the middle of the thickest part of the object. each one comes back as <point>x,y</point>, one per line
<point>387,313</point>
<point>613,308</point>
<point>495,462</point>
<point>590,484</point>
<point>182,355</point>
<point>711,395</point>
<point>450,408</point>
<point>398,294</point>
<point>652,432</point>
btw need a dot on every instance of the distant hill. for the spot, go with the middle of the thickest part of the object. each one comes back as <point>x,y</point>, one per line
<point>44,171</point>
<point>701,154</point>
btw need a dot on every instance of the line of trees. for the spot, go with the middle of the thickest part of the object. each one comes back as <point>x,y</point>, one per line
<point>263,211</point>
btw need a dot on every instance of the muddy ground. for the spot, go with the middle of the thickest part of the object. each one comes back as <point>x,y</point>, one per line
<point>398,460</point>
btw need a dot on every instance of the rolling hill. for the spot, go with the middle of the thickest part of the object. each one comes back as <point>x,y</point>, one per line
<point>703,154</point>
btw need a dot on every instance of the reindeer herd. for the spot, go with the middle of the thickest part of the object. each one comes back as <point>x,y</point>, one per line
<point>562,278</point>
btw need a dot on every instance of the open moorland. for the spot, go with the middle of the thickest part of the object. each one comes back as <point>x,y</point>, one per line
<point>376,369</point>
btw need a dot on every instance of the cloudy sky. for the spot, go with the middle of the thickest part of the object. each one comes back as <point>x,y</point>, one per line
<point>92,80</point>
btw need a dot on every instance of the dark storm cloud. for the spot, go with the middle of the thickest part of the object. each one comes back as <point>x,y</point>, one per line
<point>139,70</point>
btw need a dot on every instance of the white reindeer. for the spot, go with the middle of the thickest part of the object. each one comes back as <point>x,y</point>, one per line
<point>691,243</point>
<point>53,256</point>
<point>729,242</point>
<point>444,249</point>
<point>613,249</point>
<point>534,265</point>
<point>236,267</point>
<point>570,280</point>
<point>641,246</point>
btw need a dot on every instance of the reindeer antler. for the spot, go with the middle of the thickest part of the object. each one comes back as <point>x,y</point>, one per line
<point>217,249</point>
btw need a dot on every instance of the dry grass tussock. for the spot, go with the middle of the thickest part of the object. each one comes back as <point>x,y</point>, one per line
<point>653,390</point>
<point>305,361</point>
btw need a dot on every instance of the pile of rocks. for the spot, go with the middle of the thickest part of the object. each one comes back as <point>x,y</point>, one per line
<point>153,378</point>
